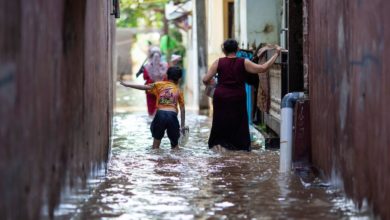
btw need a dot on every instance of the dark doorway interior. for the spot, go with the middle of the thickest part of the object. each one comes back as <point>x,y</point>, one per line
<point>230,19</point>
<point>295,46</point>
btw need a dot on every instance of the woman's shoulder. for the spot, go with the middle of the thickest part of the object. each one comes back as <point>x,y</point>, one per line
<point>223,60</point>
<point>231,58</point>
<point>241,60</point>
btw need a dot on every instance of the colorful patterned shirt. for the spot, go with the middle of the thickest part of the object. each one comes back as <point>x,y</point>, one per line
<point>168,95</point>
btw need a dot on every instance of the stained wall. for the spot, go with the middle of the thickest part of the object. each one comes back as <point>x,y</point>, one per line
<point>55,99</point>
<point>346,46</point>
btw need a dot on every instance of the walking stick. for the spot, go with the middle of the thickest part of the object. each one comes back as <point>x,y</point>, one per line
<point>141,69</point>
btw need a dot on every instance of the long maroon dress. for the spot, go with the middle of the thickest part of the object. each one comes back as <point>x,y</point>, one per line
<point>230,127</point>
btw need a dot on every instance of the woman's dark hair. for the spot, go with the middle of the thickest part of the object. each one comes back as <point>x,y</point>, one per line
<point>174,73</point>
<point>230,46</point>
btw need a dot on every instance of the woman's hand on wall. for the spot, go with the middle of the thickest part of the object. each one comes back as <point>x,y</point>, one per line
<point>278,49</point>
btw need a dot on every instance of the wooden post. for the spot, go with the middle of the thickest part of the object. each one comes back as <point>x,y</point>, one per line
<point>202,50</point>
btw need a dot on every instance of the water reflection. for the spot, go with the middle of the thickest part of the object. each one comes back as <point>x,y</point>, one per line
<point>196,183</point>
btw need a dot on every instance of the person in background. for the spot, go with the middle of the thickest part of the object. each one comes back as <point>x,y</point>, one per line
<point>175,60</point>
<point>230,127</point>
<point>154,71</point>
<point>169,96</point>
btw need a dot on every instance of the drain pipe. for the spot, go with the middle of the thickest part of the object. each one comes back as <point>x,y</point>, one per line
<point>288,103</point>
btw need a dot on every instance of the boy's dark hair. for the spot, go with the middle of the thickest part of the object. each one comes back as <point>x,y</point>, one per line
<point>174,73</point>
<point>230,46</point>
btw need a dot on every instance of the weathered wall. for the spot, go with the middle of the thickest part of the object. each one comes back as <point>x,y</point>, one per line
<point>260,21</point>
<point>55,99</point>
<point>348,60</point>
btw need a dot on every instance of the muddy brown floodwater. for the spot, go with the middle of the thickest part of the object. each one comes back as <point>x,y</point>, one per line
<point>197,183</point>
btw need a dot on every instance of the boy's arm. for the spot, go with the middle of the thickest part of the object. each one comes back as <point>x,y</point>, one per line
<point>136,86</point>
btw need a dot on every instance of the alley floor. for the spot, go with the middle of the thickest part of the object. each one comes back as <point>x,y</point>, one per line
<point>195,182</point>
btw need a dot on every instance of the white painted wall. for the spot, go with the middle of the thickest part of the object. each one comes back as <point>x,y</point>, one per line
<point>192,80</point>
<point>237,19</point>
<point>215,29</point>
<point>243,35</point>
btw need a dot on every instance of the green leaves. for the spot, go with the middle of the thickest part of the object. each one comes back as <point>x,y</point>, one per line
<point>142,13</point>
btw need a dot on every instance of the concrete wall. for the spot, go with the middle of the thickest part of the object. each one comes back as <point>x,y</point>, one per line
<point>56,99</point>
<point>123,43</point>
<point>256,21</point>
<point>347,54</point>
<point>259,21</point>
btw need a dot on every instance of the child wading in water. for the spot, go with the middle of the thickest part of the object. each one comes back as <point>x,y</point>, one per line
<point>168,97</point>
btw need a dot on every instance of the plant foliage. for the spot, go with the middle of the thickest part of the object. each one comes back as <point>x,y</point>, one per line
<point>145,14</point>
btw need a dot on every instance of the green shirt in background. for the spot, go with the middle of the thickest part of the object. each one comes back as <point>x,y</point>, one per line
<point>167,43</point>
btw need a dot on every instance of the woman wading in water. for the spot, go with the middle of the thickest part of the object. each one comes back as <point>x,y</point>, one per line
<point>230,128</point>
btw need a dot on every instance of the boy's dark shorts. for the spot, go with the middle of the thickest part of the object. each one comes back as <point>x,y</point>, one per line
<point>166,120</point>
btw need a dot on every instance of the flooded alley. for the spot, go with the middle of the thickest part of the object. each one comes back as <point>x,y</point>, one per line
<point>197,183</point>
<point>308,78</point>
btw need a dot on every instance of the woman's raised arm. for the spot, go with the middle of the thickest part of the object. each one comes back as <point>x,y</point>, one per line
<point>255,68</point>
